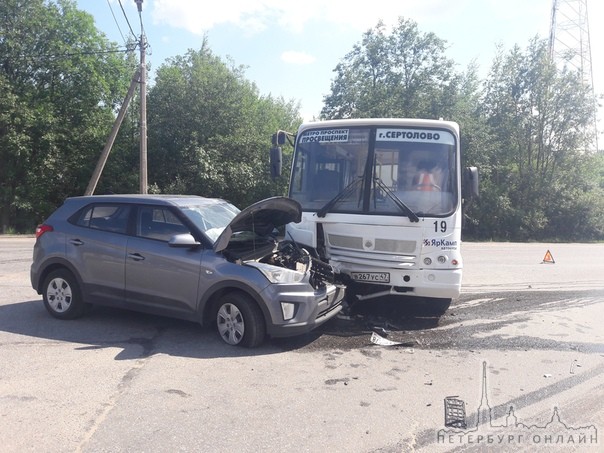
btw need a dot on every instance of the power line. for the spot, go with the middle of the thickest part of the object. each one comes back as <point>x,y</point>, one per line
<point>115,20</point>
<point>76,54</point>
<point>126,17</point>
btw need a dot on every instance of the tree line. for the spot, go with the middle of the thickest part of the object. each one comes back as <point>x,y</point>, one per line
<point>62,82</point>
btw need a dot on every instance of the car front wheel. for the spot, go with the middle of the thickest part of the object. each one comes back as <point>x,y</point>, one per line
<point>239,321</point>
<point>62,296</point>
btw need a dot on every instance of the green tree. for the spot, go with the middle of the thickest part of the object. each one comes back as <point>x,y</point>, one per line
<point>209,130</point>
<point>61,80</point>
<point>538,116</point>
<point>401,73</point>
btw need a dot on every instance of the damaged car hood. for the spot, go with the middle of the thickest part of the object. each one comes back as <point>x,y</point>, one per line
<point>261,219</point>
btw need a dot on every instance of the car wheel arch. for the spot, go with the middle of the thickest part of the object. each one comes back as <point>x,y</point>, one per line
<point>54,265</point>
<point>212,297</point>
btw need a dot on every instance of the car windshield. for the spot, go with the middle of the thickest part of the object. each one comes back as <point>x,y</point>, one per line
<point>211,218</point>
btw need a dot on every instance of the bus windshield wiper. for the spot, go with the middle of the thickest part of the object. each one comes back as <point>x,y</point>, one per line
<point>344,193</point>
<point>402,206</point>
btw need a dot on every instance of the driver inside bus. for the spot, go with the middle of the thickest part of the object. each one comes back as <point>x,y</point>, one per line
<point>428,176</point>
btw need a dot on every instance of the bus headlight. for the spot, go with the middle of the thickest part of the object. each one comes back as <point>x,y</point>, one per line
<point>427,261</point>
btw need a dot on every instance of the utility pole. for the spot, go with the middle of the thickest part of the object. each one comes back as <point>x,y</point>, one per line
<point>140,77</point>
<point>116,127</point>
<point>143,104</point>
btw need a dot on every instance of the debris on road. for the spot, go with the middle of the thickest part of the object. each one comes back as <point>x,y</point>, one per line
<point>381,341</point>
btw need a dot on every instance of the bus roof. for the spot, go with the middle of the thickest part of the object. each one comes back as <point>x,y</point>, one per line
<point>388,122</point>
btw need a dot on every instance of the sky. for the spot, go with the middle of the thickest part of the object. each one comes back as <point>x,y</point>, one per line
<point>290,48</point>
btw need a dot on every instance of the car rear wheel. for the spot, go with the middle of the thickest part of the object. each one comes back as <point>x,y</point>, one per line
<point>62,295</point>
<point>239,321</point>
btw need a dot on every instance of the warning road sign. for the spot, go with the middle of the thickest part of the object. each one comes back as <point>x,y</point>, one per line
<point>549,259</point>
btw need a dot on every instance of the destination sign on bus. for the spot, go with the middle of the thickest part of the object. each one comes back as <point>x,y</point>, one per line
<point>415,135</point>
<point>325,135</point>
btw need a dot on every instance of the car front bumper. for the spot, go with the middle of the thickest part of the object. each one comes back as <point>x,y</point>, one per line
<point>312,307</point>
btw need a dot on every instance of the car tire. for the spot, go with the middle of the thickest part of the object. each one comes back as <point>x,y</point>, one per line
<point>62,295</point>
<point>239,321</point>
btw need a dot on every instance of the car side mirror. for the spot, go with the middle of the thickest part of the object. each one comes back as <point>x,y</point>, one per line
<point>183,241</point>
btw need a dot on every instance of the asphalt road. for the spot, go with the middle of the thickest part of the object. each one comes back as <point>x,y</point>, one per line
<point>523,346</point>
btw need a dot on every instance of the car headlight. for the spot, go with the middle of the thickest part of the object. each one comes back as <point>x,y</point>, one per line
<point>276,274</point>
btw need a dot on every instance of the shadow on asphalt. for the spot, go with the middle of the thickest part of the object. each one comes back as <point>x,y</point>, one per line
<point>472,323</point>
<point>137,335</point>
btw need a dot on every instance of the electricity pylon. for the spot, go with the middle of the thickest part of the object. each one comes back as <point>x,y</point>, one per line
<point>569,46</point>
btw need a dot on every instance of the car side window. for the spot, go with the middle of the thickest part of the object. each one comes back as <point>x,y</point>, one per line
<point>105,217</point>
<point>158,223</point>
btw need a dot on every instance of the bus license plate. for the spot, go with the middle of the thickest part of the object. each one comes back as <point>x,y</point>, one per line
<point>378,277</point>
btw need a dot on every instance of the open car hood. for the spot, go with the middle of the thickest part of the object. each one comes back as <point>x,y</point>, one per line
<point>261,218</point>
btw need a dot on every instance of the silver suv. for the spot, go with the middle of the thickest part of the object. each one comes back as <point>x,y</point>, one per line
<point>186,257</point>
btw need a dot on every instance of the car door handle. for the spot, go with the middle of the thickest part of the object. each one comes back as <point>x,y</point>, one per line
<point>136,256</point>
<point>76,242</point>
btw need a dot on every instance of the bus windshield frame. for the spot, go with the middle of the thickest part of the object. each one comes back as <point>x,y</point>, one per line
<point>376,170</point>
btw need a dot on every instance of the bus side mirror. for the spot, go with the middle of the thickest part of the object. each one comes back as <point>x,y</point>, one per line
<point>276,159</point>
<point>279,138</point>
<point>470,183</point>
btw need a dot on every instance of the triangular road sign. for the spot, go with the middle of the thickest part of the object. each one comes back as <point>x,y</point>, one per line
<point>548,258</point>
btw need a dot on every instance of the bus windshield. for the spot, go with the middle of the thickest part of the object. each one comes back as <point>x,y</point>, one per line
<point>376,170</point>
